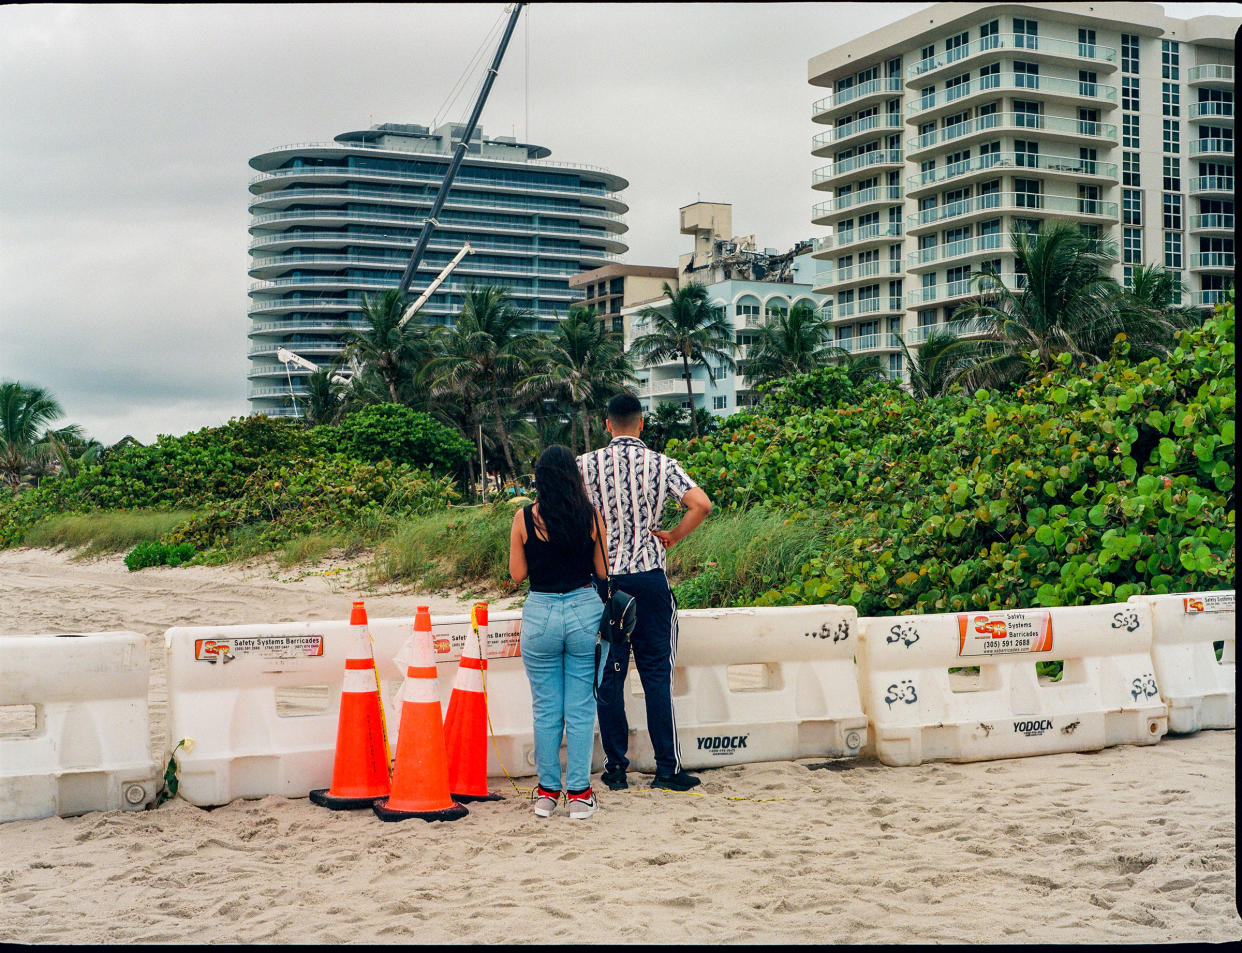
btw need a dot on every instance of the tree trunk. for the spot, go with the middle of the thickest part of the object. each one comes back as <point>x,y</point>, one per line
<point>586,430</point>
<point>694,421</point>
<point>504,440</point>
<point>573,430</point>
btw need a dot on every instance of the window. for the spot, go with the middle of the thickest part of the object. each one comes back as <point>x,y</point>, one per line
<point>988,35</point>
<point>956,86</point>
<point>1088,157</point>
<point>1089,122</point>
<point>1026,34</point>
<point>1129,93</point>
<point>1086,43</point>
<point>1130,130</point>
<point>989,76</point>
<point>1172,249</point>
<point>893,67</point>
<point>1170,59</point>
<point>1172,208</point>
<point>1027,193</point>
<point>1170,99</point>
<point>719,403</point>
<point>1026,75</point>
<point>927,52</point>
<point>1171,138</point>
<point>955,47</point>
<point>1129,53</point>
<point>1130,168</point>
<point>1131,207</point>
<point>1089,199</point>
<point>1087,80</point>
<point>1026,153</point>
<point>1132,246</point>
<point>1172,174</point>
<point>1026,113</point>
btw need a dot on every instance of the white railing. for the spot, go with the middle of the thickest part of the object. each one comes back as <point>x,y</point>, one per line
<point>1032,82</point>
<point>865,160</point>
<point>515,204</point>
<point>965,288</point>
<point>965,246</point>
<point>1211,108</point>
<point>1013,160</point>
<point>1212,259</point>
<point>1023,121</point>
<point>1211,146</point>
<point>510,266</point>
<point>674,386</point>
<point>1210,72</point>
<point>867,342</point>
<point>879,193</point>
<point>866,269</point>
<point>1013,200</point>
<point>1209,298</point>
<point>920,334</point>
<point>1013,41</point>
<point>846,130</point>
<point>887,84</point>
<point>457,221</point>
<point>1212,183</point>
<point>1218,221</point>
<point>865,233</point>
<point>464,179</point>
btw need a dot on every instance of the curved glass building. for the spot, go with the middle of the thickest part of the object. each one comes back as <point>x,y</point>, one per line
<point>332,222</point>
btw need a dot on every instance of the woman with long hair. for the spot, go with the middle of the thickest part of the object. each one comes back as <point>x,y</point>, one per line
<point>558,541</point>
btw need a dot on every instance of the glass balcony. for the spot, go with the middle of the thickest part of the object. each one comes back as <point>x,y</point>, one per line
<point>669,387</point>
<point>1072,128</point>
<point>1026,82</point>
<point>1211,111</point>
<point>863,234</point>
<point>981,244</point>
<point>922,333</point>
<point>343,260</point>
<point>1013,160</point>
<point>866,342</point>
<point>1010,201</point>
<point>1212,183</point>
<point>1209,298</point>
<point>456,221</point>
<point>863,271</point>
<point>1212,260</point>
<point>839,203</point>
<point>1212,147</point>
<point>867,159</point>
<point>966,288</point>
<point>884,85</point>
<point>1007,41</point>
<point>850,129</point>
<point>515,203</point>
<point>1213,222</point>
<point>1210,74</point>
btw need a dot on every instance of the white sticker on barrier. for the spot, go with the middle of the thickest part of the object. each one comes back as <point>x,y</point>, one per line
<point>1107,694</point>
<point>262,701</point>
<point>792,692</point>
<point>1199,689</point>
<point>84,745</point>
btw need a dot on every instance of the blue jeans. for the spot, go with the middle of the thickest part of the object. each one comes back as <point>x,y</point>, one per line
<point>558,652</point>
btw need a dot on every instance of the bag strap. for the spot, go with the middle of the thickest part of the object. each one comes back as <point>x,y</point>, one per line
<point>599,545</point>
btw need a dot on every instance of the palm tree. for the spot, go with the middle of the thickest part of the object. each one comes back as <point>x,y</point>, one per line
<point>481,359</point>
<point>1067,304</point>
<point>858,368</point>
<point>388,347</point>
<point>324,398</point>
<point>581,362</point>
<point>25,413</point>
<point>1156,294</point>
<point>938,363</point>
<point>691,330</point>
<point>72,450</point>
<point>794,342</point>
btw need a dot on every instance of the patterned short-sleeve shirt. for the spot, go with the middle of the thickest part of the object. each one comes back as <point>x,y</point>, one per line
<point>629,483</point>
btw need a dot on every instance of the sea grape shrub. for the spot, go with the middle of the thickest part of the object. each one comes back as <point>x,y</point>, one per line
<point>403,435</point>
<point>153,553</point>
<point>284,500</point>
<point>1081,487</point>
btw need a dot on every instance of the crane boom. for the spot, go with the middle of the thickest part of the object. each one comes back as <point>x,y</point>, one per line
<point>422,299</point>
<point>463,144</point>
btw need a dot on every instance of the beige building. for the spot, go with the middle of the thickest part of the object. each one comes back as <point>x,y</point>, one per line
<point>960,124</point>
<point>616,287</point>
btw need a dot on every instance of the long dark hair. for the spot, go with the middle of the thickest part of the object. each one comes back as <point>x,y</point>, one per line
<point>564,508</point>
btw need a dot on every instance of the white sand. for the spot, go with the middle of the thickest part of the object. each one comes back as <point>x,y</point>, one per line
<point>1124,845</point>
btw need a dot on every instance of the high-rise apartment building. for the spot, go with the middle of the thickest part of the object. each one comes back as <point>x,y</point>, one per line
<point>965,122</point>
<point>613,288</point>
<point>332,222</point>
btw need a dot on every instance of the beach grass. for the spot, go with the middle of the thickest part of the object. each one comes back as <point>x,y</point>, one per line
<point>462,546</point>
<point>107,531</point>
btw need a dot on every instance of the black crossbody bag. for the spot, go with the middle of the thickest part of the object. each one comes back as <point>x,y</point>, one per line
<point>616,626</point>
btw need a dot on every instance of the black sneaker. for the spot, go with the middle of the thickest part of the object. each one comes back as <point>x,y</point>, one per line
<point>615,779</point>
<point>676,782</point>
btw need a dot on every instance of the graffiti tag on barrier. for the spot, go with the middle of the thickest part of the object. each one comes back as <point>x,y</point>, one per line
<point>839,633</point>
<point>1126,619</point>
<point>906,634</point>
<point>901,692</point>
<point>1145,686</point>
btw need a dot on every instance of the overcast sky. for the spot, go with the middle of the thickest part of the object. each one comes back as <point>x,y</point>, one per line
<point>125,133</point>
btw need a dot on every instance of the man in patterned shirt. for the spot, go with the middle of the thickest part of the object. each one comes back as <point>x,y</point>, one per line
<point>629,484</point>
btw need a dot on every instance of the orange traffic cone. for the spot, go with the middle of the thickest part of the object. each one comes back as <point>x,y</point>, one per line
<point>360,771</point>
<point>465,725</point>
<point>420,785</point>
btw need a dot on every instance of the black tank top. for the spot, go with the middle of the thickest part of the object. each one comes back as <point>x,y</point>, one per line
<point>553,568</point>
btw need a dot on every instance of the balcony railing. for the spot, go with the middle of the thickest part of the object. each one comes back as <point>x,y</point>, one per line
<point>1032,82</point>
<point>515,203</point>
<point>675,386</point>
<point>1010,41</point>
<point>1212,183</point>
<point>1024,121</point>
<point>457,221</point>
<point>885,303</point>
<point>1211,146</point>
<point>966,288</point>
<point>1210,72</point>
<point>867,342</point>
<point>1216,110</point>
<point>1212,259</point>
<point>863,161</point>
<point>887,84</point>
<point>966,246</point>
<point>867,269</point>
<point>845,131</point>
<point>879,193</point>
<point>345,260</point>
<point>1213,221</point>
<point>1013,160</point>
<point>1023,201</point>
<point>922,333</point>
<point>463,180</point>
<point>865,233</point>
<point>1208,298</point>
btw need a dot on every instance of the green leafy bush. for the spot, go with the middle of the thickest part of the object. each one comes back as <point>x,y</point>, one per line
<point>158,554</point>
<point>1080,487</point>
<point>398,433</point>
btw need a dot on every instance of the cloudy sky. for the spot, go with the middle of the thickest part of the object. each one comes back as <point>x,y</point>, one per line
<point>125,133</point>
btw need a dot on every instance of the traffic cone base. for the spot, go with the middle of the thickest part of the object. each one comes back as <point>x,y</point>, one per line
<point>324,799</point>
<point>384,813</point>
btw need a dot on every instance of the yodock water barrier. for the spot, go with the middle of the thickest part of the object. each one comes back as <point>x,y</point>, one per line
<point>262,702</point>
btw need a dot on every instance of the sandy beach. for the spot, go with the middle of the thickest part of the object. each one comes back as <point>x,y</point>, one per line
<point>1126,845</point>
